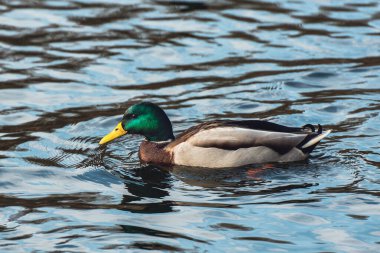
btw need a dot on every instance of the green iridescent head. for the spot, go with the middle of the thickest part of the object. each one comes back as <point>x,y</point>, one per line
<point>146,119</point>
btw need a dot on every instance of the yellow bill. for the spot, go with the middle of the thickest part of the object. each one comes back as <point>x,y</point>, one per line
<point>115,133</point>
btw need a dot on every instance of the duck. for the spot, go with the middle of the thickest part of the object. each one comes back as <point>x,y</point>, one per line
<point>214,144</point>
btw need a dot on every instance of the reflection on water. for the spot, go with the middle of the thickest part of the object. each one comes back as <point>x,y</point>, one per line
<point>69,69</point>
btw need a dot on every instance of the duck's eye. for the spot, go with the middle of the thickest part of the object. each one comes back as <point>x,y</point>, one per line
<point>129,116</point>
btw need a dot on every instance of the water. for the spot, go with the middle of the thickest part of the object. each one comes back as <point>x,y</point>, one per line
<point>69,69</point>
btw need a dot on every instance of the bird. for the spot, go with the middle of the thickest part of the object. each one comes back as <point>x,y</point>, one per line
<point>214,144</point>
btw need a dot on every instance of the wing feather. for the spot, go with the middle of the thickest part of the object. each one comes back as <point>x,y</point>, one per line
<point>233,138</point>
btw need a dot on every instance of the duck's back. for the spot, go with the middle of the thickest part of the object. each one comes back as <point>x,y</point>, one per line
<point>238,143</point>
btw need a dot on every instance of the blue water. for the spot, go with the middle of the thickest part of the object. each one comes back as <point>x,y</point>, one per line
<point>69,69</point>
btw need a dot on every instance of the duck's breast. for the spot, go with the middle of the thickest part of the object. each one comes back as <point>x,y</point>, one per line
<point>154,153</point>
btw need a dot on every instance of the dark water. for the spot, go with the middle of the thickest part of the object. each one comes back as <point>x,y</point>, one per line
<point>69,69</point>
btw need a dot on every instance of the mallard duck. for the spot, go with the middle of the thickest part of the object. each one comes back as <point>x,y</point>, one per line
<point>216,144</point>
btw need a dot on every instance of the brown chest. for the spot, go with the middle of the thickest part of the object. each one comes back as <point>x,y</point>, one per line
<point>154,153</point>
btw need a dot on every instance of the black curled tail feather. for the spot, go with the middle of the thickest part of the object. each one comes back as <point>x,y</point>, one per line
<point>310,126</point>
<point>320,130</point>
<point>308,144</point>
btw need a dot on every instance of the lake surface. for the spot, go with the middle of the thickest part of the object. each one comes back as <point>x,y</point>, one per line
<point>69,69</point>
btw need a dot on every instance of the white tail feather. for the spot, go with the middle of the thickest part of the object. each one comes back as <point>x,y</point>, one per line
<point>316,139</point>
